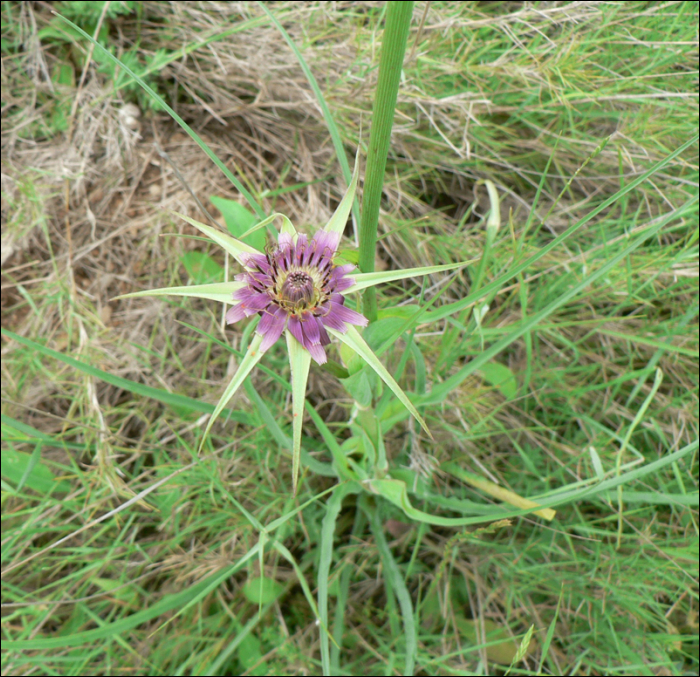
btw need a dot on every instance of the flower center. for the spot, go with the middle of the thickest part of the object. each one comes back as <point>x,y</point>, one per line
<point>298,290</point>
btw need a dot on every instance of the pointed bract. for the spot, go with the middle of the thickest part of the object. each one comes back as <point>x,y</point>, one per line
<point>250,359</point>
<point>353,339</point>
<point>364,280</point>
<point>218,291</point>
<point>340,216</point>
<point>299,362</point>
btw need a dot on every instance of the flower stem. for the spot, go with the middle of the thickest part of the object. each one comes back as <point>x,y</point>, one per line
<point>398,19</point>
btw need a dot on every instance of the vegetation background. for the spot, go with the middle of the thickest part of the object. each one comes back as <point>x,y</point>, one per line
<point>520,93</point>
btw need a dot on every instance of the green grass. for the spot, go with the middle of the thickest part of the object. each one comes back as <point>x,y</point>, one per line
<point>563,367</point>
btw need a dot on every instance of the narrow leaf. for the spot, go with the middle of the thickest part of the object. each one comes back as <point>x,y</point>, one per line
<point>497,492</point>
<point>218,291</point>
<point>333,506</point>
<point>251,358</point>
<point>299,362</point>
<point>235,247</point>
<point>364,280</point>
<point>354,340</point>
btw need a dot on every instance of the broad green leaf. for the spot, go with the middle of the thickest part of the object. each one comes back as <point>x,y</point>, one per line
<point>249,654</point>
<point>287,227</point>
<point>251,358</point>
<point>501,377</point>
<point>359,387</point>
<point>26,470</point>
<point>240,222</point>
<point>499,645</point>
<point>201,267</point>
<point>353,339</point>
<point>219,291</point>
<point>347,256</point>
<point>340,217</point>
<point>364,280</point>
<point>388,329</point>
<point>262,590</point>
<point>299,362</point>
<point>239,250</point>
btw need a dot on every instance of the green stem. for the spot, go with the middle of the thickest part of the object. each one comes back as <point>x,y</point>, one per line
<point>398,19</point>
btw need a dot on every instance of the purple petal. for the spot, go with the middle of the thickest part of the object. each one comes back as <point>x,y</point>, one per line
<point>340,315</point>
<point>339,271</point>
<point>310,329</point>
<point>267,320</point>
<point>300,252</point>
<point>294,327</point>
<point>284,241</point>
<point>256,302</point>
<point>257,261</point>
<point>235,314</point>
<point>318,353</point>
<point>273,329</point>
<point>323,334</point>
<point>342,284</point>
<point>261,279</point>
<point>326,241</point>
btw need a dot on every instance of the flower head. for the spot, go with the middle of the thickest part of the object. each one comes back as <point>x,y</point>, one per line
<point>296,286</point>
<point>296,289</point>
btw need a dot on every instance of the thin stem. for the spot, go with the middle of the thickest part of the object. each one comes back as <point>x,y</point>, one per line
<point>398,19</point>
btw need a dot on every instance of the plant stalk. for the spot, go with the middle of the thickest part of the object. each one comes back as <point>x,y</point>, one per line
<point>398,19</point>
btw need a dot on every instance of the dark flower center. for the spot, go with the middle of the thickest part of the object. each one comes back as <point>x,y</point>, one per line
<point>298,290</point>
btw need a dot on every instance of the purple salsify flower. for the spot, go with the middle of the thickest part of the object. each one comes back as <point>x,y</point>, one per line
<point>296,286</point>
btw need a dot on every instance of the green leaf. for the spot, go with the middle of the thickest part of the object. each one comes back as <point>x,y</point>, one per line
<point>364,280</point>
<point>501,377</point>
<point>239,220</point>
<point>500,646</point>
<point>262,590</point>
<point>388,329</point>
<point>239,250</point>
<point>347,256</point>
<point>355,341</point>
<point>439,393</point>
<point>251,358</point>
<point>25,470</point>
<point>333,506</point>
<point>219,291</point>
<point>299,362</point>
<point>201,267</point>
<point>249,653</point>
<point>360,388</point>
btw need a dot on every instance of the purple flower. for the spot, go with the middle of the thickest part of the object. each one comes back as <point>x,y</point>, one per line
<point>296,285</point>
